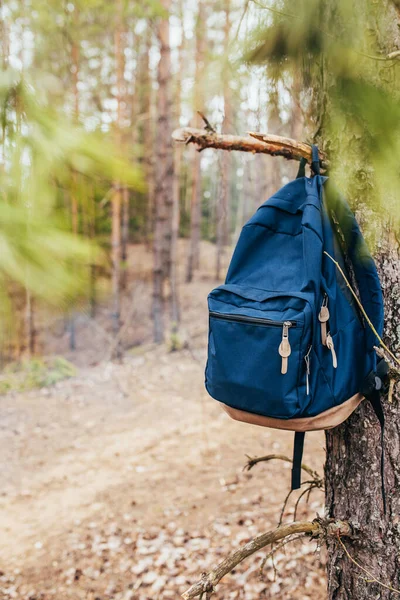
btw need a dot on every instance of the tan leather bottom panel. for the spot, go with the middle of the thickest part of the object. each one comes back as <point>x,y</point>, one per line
<point>326,420</point>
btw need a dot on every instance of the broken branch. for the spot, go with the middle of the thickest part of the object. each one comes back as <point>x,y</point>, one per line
<point>256,143</point>
<point>317,528</point>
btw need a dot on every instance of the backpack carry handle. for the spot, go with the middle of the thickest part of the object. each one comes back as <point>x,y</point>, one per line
<point>315,160</point>
<point>315,163</point>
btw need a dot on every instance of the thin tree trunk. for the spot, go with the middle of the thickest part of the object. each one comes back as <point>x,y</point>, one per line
<point>195,217</point>
<point>117,196</point>
<point>198,96</point>
<point>221,217</point>
<point>273,166</point>
<point>145,132</point>
<point>125,235</point>
<point>175,309</point>
<point>163,176</point>
<point>175,217</point>
<point>75,58</point>
<point>223,220</point>
<point>93,269</point>
<point>30,324</point>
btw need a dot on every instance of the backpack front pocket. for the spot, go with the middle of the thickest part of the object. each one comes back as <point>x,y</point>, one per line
<point>256,350</point>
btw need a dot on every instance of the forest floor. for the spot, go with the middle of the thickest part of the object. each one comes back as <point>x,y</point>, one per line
<point>126,481</point>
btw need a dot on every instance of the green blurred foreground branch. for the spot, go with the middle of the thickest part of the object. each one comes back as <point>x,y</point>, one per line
<point>43,154</point>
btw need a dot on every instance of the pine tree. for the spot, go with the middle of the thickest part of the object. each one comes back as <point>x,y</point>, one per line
<point>355,116</point>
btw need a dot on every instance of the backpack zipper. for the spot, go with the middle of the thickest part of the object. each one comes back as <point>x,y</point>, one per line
<point>331,346</point>
<point>285,349</point>
<point>326,336</point>
<point>307,360</point>
<point>323,318</point>
<point>251,320</point>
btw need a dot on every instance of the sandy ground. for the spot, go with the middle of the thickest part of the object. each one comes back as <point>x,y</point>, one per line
<point>127,482</point>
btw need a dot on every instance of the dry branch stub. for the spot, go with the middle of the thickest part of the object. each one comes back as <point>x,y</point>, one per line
<point>256,143</point>
<point>319,528</point>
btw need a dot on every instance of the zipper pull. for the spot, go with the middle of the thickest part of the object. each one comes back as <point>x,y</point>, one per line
<point>307,359</point>
<point>284,347</point>
<point>331,346</point>
<point>323,318</point>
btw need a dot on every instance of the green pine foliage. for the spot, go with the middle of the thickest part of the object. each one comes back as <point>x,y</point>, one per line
<point>352,72</point>
<point>41,151</point>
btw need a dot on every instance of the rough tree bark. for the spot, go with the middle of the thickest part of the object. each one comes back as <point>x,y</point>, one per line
<point>164,176</point>
<point>352,472</point>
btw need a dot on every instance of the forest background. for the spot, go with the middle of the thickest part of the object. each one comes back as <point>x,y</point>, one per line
<point>89,163</point>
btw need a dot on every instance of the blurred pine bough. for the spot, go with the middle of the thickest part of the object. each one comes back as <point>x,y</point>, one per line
<point>41,155</point>
<point>348,56</point>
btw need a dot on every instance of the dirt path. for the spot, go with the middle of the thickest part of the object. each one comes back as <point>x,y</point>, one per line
<point>127,482</point>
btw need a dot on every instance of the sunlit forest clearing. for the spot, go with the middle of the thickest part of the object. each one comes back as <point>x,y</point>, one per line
<point>137,139</point>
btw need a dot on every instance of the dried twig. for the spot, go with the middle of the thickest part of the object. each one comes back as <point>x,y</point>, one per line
<point>208,126</point>
<point>263,143</point>
<point>303,493</point>
<point>316,481</point>
<point>317,528</point>
<point>275,549</point>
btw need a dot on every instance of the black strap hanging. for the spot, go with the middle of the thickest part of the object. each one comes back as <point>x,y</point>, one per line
<point>302,168</point>
<point>297,458</point>
<point>375,400</point>
<point>374,387</point>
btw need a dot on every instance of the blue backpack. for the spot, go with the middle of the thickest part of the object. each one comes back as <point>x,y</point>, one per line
<point>288,346</point>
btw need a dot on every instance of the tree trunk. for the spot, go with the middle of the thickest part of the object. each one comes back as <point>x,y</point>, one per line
<point>117,195</point>
<point>352,471</point>
<point>92,267</point>
<point>222,230</point>
<point>30,331</point>
<point>144,134</point>
<point>75,56</point>
<point>125,235</point>
<point>198,94</point>
<point>175,217</point>
<point>163,176</point>
<point>175,311</point>
<point>273,166</point>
